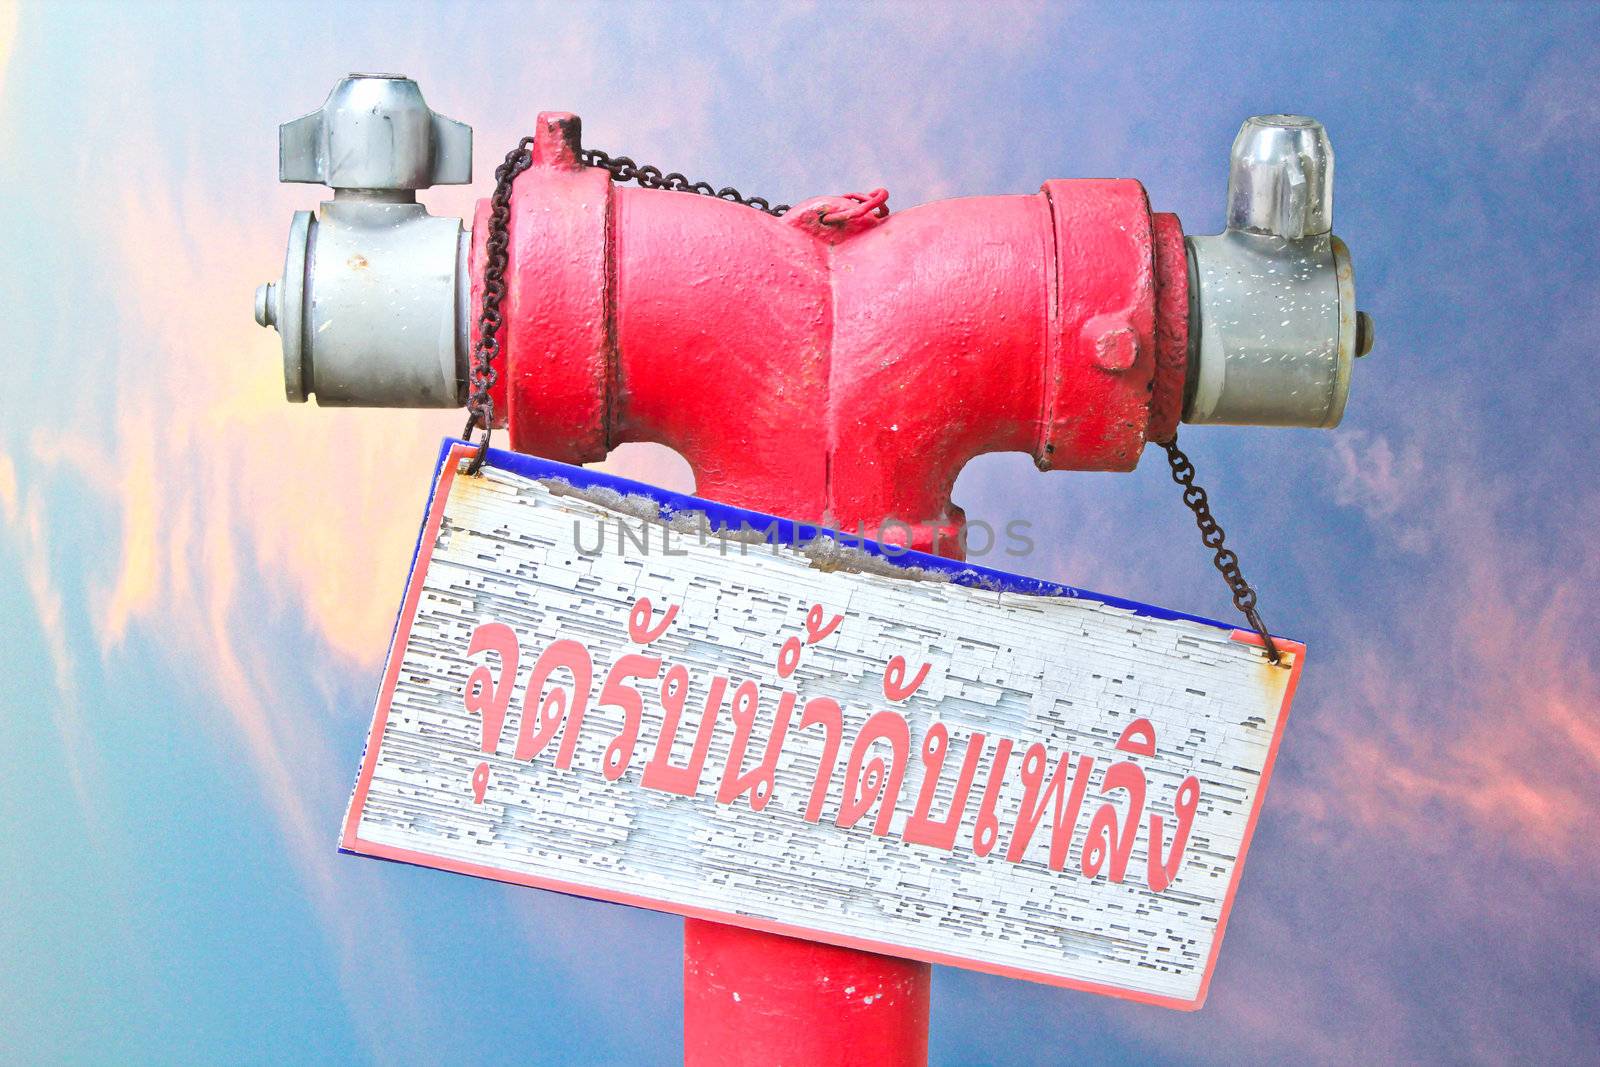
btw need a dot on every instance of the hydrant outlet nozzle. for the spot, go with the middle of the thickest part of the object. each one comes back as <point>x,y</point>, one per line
<point>1273,321</point>
<point>372,306</point>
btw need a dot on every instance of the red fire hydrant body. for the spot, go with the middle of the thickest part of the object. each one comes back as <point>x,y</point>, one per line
<point>843,371</point>
<point>838,365</point>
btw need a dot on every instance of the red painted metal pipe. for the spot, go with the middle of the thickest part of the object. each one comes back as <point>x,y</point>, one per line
<point>837,365</point>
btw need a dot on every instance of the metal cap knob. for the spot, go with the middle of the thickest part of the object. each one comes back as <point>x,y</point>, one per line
<point>375,132</point>
<point>1280,181</point>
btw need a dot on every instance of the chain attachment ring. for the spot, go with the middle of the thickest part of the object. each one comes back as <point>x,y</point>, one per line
<point>875,203</point>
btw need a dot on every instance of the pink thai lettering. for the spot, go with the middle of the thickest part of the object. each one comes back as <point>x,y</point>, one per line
<point>823,712</point>
<point>758,781</point>
<point>661,773</point>
<point>895,686</point>
<point>557,697</point>
<point>548,711</point>
<point>875,782</point>
<point>816,628</point>
<point>788,657</point>
<point>486,694</point>
<point>1104,840</point>
<point>1036,797</point>
<point>922,828</point>
<point>986,832</point>
<point>1161,871</point>
<point>640,632</point>
<point>617,693</point>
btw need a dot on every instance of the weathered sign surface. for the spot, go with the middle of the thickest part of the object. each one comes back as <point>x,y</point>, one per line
<point>604,689</point>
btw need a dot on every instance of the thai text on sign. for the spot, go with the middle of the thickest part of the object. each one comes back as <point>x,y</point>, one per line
<point>907,755</point>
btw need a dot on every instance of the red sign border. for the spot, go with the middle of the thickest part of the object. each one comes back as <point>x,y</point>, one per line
<point>351,841</point>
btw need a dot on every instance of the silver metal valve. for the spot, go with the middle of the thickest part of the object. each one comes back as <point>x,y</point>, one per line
<point>375,132</point>
<point>374,300</point>
<point>1273,323</point>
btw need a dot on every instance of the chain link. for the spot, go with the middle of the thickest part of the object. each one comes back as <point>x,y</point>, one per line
<point>482,376</point>
<point>624,169</point>
<point>1211,535</point>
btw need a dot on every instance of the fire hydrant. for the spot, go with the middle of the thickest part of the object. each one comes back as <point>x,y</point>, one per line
<point>839,364</point>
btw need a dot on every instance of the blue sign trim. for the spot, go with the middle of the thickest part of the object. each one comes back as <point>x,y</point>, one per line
<point>787,531</point>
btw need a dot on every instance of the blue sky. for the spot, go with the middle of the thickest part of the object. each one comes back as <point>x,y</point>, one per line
<point>197,579</point>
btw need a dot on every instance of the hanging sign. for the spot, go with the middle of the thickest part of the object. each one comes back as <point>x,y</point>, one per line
<point>602,688</point>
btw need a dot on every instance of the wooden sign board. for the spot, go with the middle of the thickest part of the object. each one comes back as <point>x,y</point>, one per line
<point>601,688</point>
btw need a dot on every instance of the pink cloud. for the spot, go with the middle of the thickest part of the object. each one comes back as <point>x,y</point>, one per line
<point>1484,710</point>
<point>1448,799</point>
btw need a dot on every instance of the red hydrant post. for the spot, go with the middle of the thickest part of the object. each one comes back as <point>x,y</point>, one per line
<point>840,365</point>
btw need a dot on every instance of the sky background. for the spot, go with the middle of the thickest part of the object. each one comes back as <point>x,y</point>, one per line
<point>197,579</point>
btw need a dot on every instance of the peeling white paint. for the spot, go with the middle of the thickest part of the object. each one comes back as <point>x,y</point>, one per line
<point>1064,672</point>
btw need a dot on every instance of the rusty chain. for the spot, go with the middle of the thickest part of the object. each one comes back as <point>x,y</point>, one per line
<point>482,376</point>
<point>480,405</point>
<point>624,169</point>
<point>1211,535</point>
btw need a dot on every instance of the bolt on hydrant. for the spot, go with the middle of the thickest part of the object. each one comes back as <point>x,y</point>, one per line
<point>839,364</point>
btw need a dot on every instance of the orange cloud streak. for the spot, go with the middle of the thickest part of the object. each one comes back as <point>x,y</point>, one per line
<point>209,476</point>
